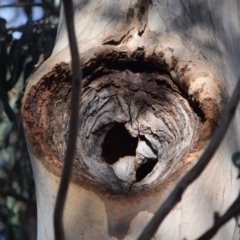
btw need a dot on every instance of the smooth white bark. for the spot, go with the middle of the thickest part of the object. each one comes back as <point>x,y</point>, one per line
<point>202,36</point>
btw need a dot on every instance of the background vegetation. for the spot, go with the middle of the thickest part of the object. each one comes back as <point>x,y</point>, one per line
<point>18,58</point>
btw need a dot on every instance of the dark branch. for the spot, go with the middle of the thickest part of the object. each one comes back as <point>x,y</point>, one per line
<point>16,196</point>
<point>232,211</point>
<point>176,195</point>
<point>73,124</point>
<point>19,4</point>
<point>44,4</point>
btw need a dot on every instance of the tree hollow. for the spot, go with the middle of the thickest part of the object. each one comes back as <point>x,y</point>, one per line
<point>136,127</point>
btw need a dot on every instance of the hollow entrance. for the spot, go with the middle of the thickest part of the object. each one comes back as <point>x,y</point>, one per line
<point>118,143</point>
<point>145,169</point>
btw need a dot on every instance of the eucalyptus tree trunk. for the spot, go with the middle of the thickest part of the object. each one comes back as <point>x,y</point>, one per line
<point>156,78</point>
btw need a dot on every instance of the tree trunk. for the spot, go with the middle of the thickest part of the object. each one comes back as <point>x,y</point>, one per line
<point>156,78</point>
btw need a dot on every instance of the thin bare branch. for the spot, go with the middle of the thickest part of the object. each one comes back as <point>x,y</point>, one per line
<point>44,4</point>
<point>232,211</point>
<point>176,195</point>
<point>17,196</point>
<point>73,124</point>
<point>21,4</point>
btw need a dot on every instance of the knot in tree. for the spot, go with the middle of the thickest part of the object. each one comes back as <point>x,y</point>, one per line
<point>137,125</point>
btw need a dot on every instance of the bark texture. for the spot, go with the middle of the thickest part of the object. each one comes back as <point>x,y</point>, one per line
<point>157,75</point>
<point>130,122</point>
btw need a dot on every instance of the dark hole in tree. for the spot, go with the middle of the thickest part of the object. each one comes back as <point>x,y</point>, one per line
<point>118,143</point>
<point>145,169</point>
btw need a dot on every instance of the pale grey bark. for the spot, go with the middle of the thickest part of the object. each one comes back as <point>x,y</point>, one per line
<point>160,73</point>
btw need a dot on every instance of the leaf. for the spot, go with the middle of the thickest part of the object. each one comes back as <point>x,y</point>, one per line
<point>8,110</point>
<point>18,56</point>
<point>3,64</point>
<point>48,47</point>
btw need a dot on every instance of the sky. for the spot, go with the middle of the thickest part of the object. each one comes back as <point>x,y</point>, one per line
<point>15,16</point>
